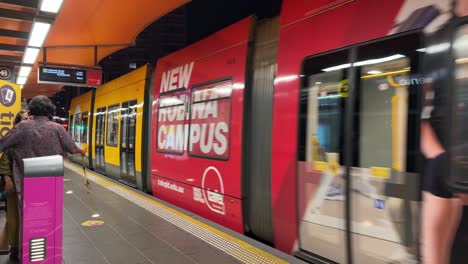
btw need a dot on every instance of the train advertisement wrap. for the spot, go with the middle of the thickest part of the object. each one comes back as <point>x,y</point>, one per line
<point>343,87</point>
<point>207,135</point>
<point>383,202</point>
<point>197,126</point>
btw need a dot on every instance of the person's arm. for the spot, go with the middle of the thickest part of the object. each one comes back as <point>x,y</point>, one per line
<point>67,142</point>
<point>6,161</point>
<point>12,138</point>
<point>430,145</point>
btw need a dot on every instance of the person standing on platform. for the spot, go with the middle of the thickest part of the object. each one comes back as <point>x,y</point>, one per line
<point>6,171</point>
<point>36,138</point>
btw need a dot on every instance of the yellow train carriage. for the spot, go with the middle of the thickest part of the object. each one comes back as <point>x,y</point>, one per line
<point>118,127</point>
<point>79,121</point>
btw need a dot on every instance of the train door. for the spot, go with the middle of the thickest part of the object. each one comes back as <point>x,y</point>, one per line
<point>112,149</point>
<point>358,153</point>
<point>385,184</point>
<point>321,178</point>
<point>100,164</point>
<point>458,138</point>
<point>127,142</point>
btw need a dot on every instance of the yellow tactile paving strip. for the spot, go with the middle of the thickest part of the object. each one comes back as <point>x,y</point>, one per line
<point>232,246</point>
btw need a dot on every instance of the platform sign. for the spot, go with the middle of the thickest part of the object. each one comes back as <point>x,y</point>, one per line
<point>7,73</point>
<point>69,76</point>
<point>10,104</point>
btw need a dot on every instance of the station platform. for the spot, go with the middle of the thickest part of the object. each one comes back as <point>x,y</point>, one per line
<point>108,222</point>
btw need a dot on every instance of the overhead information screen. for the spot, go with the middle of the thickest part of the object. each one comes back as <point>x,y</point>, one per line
<point>70,76</point>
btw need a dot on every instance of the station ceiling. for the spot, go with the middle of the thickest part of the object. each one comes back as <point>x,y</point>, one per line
<point>80,27</point>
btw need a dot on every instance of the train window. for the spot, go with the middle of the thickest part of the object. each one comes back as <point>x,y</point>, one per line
<point>321,131</point>
<point>84,128</point>
<point>77,127</point>
<point>70,126</point>
<point>100,126</point>
<point>100,134</point>
<point>124,113</point>
<point>132,116</point>
<point>210,119</point>
<point>459,129</point>
<point>172,129</point>
<point>383,192</point>
<point>387,86</point>
<point>113,125</point>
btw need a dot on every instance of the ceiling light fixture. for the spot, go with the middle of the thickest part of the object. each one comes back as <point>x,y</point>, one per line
<point>52,6</point>
<point>24,71</point>
<point>30,55</point>
<point>21,80</point>
<point>38,34</point>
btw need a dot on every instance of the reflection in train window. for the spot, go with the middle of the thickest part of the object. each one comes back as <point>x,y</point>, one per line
<point>100,126</point>
<point>70,126</point>
<point>77,126</point>
<point>459,128</point>
<point>172,132</point>
<point>210,119</point>
<point>383,114</point>
<point>84,128</point>
<point>113,125</point>
<point>385,191</point>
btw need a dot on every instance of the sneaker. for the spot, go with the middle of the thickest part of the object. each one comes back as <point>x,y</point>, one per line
<point>335,194</point>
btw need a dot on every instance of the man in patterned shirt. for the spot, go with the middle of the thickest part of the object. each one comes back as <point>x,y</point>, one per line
<point>38,137</point>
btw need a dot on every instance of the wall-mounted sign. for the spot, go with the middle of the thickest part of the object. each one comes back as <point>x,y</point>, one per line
<point>69,76</point>
<point>7,73</point>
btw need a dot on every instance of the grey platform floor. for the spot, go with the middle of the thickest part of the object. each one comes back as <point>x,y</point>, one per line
<point>130,234</point>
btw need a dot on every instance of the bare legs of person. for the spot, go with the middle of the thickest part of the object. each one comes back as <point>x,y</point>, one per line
<point>440,219</point>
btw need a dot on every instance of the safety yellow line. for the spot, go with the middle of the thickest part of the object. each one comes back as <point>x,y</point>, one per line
<point>107,183</point>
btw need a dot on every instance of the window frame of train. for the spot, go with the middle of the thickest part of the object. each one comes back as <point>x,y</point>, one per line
<point>99,144</point>
<point>111,109</point>
<point>352,101</point>
<point>71,126</point>
<point>129,113</point>
<point>455,178</point>
<point>216,86</point>
<point>84,127</point>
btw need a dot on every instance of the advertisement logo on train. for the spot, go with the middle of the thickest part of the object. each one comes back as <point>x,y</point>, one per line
<point>197,126</point>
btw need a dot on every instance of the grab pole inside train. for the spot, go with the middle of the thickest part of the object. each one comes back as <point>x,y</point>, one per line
<point>41,210</point>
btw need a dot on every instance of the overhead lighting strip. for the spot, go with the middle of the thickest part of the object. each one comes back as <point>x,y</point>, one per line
<point>39,31</point>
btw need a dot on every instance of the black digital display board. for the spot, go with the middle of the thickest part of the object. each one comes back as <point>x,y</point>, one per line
<point>51,74</point>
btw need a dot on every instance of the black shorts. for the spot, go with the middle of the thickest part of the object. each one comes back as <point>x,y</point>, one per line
<point>433,178</point>
<point>436,169</point>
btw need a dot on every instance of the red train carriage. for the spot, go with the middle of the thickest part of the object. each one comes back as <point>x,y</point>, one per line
<point>302,130</point>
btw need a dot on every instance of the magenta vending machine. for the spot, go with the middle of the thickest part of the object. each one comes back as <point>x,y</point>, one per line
<point>42,210</point>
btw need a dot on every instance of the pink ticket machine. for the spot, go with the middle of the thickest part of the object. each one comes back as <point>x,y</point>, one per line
<point>41,210</point>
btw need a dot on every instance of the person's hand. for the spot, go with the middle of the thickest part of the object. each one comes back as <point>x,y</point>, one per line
<point>9,186</point>
<point>80,150</point>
